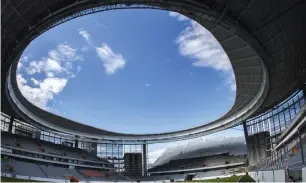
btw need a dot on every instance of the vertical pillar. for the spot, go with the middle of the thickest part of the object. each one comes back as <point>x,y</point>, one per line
<point>11,124</point>
<point>76,142</point>
<point>93,146</point>
<point>281,156</point>
<point>144,158</point>
<point>278,118</point>
<point>301,146</point>
<point>304,90</point>
<point>246,135</point>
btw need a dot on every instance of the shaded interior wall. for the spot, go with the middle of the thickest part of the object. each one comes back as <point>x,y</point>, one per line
<point>269,176</point>
<point>144,159</point>
<point>94,146</point>
<point>257,146</point>
<point>133,164</point>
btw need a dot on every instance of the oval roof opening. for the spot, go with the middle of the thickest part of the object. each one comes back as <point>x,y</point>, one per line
<point>129,71</point>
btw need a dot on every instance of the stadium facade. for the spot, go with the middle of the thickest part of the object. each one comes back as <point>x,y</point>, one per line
<point>264,41</point>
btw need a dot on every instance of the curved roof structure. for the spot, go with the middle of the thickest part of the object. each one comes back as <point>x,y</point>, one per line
<point>199,148</point>
<point>264,41</point>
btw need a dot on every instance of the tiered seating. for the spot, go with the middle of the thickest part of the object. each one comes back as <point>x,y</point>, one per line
<point>209,161</point>
<point>46,147</point>
<point>22,168</point>
<point>163,177</point>
<point>100,175</point>
<point>55,172</point>
<point>295,161</point>
<point>18,141</point>
<point>93,173</point>
<point>212,173</point>
<point>42,170</point>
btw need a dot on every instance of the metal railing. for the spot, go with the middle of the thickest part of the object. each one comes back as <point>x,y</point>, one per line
<point>279,157</point>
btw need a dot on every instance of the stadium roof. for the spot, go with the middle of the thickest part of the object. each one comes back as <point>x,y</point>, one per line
<point>200,148</point>
<point>264,40</point>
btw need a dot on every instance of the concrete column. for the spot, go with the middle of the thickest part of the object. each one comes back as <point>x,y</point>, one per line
<point>144,159</point>
<point>304,174</point>
<point>11,124</point>
<point>301,146</point>
<point>94,147</point>
<point>76,142</point>
<point>304,90</point>
<point>245,130</point>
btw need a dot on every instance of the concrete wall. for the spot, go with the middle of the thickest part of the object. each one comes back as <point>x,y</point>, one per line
<point>257,147</point>
<point>304,174</point>
<point>268,176</point>
<point>279,176</point>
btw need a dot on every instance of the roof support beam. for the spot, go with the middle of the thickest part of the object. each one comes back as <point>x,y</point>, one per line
<point>223,13</point>
<point>274,37</point>
<point>245,58</point>
<point>49,11</point>
<point>249,67</point>
<point>244,10</point>
<point>248,82</point>
<point>17,12</point>
<point>229,38</point>
<point>238,49</point>
<point>8,34</point>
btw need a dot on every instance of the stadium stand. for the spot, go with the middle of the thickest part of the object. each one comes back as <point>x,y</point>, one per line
<point>44,170</point>
<point>22,168</point>
<point>206,154</point>
<point>93,173</point>
<point>206,161</point>
<point>35,145</point>
<point>212,173</point>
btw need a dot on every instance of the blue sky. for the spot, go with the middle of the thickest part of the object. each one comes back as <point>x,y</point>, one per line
<point>131,71</point>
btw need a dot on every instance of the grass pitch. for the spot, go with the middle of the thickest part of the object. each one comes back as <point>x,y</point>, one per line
<point>242,178</point>
<point>8,179</point>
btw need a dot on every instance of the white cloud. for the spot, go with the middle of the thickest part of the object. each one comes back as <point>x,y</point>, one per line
<point>49,74</point>
<point>21,80</point>
<point>24,58</point>
<point>52,65</point>
<point>201,46</point>
<point>68,66</point>
<point>22,61</point>
<point>44,91</point>
<point>19,65</point>
<point>63,53</point>
<point>230,81</point>
<point>180,17</point>
<point>36,82</point>
<point>54,85</point>
<point>57,67</point>
<point>35,67</point>
<point>60,59</point>
<point>86,36</point>
<point>111,61</point>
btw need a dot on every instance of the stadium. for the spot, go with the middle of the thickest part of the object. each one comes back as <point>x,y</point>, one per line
<point>266,46</point>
